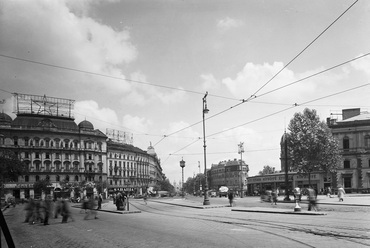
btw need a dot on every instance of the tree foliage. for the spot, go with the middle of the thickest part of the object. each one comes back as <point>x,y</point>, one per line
<point>11,167</point>
<point>311,146</point>
<point>42,185</point>
<point>164,185</point>
<point>266,170</point>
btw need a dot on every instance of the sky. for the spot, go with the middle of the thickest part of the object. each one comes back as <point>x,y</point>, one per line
<point>144,67</point>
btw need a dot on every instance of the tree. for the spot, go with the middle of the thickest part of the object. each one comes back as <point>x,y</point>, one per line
<point>10,168</point>
<point>42,185</point>
<point>266,170</point>
<point>311,145</point>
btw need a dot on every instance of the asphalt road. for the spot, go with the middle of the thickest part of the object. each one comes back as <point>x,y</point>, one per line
<point>163,225</point>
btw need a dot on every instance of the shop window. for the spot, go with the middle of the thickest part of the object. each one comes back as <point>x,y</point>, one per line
<point>347,164</point>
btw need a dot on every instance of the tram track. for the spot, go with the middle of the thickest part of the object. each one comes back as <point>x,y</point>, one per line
<point>337,232</point>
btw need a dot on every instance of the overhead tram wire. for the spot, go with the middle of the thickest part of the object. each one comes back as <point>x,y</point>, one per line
<point>112,77</point>
<point>293,106</point>
<point>276,89</point>
<point>277,112</point>
<point>317,37</point>
<point>253,96</point>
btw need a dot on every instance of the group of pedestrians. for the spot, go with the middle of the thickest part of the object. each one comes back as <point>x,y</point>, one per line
<point>40,211</point>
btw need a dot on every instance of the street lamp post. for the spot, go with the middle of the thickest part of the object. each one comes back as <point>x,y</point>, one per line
<point>205,111</point>
<point>182,165</point>
<point>241,150</point>
<point>285,140</point>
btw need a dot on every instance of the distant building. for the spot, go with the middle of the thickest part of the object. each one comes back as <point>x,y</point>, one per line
<point>232,174</point>
<point>353,133</point>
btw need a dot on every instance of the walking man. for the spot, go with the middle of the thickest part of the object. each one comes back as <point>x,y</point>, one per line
<point>341,193</point>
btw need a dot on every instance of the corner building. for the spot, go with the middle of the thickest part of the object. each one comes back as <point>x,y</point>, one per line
<point>45,136</point>
<point>353,135</point>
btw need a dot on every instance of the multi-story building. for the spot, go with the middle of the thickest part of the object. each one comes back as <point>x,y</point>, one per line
<point>53,146</point>
<point>353,133</point>
<point>232,174</point>
<point>131,169</point>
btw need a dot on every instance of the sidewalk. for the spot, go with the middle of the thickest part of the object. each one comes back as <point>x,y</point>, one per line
<point>357,200</point>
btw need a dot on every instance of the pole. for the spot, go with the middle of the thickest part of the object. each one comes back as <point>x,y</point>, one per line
<point>205,110</point>
<point>286,167</point>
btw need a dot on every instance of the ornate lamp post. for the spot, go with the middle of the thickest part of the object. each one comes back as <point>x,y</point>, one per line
<point>240,151</point>
<point>182,165</point>
<point>205,111</point>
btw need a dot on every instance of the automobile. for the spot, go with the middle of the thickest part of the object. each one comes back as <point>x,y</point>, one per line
<point>213,193</point>
<point>222,191</point>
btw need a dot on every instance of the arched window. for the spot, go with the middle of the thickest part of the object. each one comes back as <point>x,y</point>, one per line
<point>346,143</point>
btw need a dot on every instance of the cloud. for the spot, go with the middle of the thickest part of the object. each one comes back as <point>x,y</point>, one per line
<point>228,23</point>
<point>362,65</point>
<point>254,77</point>
<point>136,124</point>
<point>101,118</point>
<point>51,32</point>
<point>209,82</point>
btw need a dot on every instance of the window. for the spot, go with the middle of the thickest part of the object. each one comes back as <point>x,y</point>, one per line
<point>37,155</point>
<point>47,155</point>
<point>367,141</point>
<point>67,178</point>
<point>37,178</point>
<point>76,178</point>
<point>347,164</point>
<point>26,178</point>
<point>347,182</point>
<point>26,155</point>
<point>57,178</point>
<point>26,141</point>
<point>346,143</point>
<point>15,140</point>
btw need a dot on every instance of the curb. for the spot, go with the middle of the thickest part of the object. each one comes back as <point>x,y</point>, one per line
<point>280,211</point>
<point>190,206</point>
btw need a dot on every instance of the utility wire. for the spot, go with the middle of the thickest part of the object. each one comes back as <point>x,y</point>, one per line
<point>253,96</point>
<point>112,77</point>
<point>304,49</point>
<point>277,112</point>
<point>279,88</point>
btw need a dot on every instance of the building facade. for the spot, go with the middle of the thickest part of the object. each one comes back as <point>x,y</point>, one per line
<point>232,174</point>
<point>353,134</point>
<point>131,169</point>
<point>46,138</point>
<point>52,145</point>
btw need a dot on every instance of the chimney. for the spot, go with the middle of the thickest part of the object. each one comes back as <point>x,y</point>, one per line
<point>349,113</point>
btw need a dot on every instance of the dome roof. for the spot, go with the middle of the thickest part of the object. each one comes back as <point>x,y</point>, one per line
<point>5,119</point>
<point>86,125</point>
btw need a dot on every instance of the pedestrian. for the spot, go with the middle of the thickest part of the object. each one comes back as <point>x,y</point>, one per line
<point>328,193</point>
<point>341,193</point>
<point>65,211</point>
<point>312,199</point>
<point>274,197</point>
<point>100,200</point>
<point>57,208</point>
<point>29,211</point>
<point>92,210</point>
<point>231,198</point>
<point>47,210</point>
<point>145,198</point>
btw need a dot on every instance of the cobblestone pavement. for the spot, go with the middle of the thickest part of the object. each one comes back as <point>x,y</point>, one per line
<point>164,225</point>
